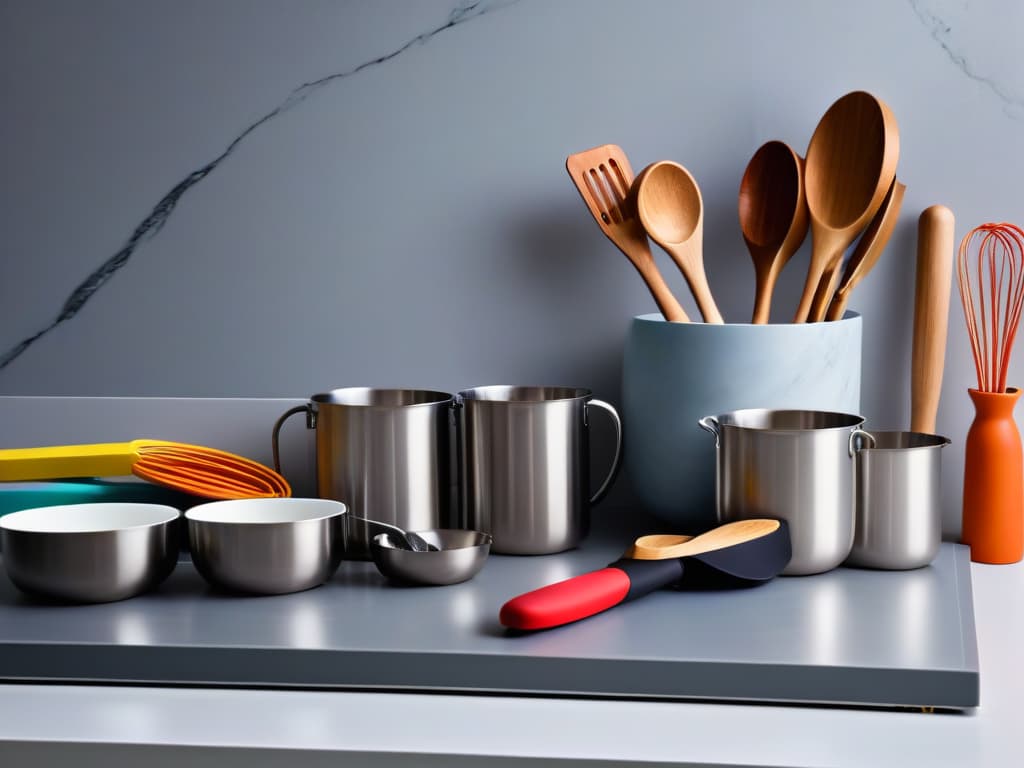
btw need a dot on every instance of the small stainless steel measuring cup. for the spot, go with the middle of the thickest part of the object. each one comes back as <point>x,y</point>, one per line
<point>455,556</point>
<point>898,505</point>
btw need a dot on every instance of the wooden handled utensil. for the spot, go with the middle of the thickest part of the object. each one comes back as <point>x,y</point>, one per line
<point>865,256</point>
<point>773,216</point>
<point>671,210</point>
<point>851,163</point>
<point>603,177</point>
<point>737,554</point>
<point>932,288</point>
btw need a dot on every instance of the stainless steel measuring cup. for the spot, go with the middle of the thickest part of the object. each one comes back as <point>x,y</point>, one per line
<point>385,453</point>
<point>527,461</point>
<point>791,465</point>
<point>898,500</point>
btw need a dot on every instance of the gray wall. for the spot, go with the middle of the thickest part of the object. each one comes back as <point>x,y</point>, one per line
<point>407,220</point>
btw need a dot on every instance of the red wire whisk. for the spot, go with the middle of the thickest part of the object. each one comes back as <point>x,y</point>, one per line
<point>990,270</point>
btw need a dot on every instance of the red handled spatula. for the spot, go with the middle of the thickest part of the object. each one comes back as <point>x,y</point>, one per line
<point>742,553</point>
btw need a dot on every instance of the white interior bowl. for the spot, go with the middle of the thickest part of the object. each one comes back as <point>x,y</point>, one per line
<point>90,553</point>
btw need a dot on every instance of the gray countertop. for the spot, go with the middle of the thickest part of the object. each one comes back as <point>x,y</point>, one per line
<point>87,725</point>
<point>848,636</point>
<point>99,724</point>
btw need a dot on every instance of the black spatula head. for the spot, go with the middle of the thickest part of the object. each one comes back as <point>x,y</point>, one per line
<point>752,562</point>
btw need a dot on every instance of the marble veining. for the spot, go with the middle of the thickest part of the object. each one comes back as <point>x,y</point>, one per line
<point>941,30</point>
<point>466,10</point>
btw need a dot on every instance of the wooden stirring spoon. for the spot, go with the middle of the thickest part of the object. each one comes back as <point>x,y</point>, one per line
<point>603,177</point>
<point>773,216</point>
<point>865,256</point>
<point>851,163</point>
<point>671,210</point>
<point>662,546</point>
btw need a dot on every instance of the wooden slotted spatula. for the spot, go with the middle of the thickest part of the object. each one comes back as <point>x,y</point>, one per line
<point>603,177</point>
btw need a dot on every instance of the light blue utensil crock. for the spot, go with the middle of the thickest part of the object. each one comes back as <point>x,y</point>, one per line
<point>676,373</point>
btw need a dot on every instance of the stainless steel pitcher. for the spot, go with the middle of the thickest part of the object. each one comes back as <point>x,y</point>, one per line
<point>385,453</point>
<point>526,467</point>
<point>791,465</point>
<point>898,500</point>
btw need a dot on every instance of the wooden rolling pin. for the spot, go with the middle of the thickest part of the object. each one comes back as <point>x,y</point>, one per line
<point>931,314</point>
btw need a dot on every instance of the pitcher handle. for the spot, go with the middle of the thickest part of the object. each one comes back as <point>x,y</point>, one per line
<point>859,439</point>
<point>710,423</point>
<point>617,460</point>
<point>306,408</point>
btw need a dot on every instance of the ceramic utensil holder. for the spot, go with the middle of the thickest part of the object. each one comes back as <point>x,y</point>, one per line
<point>993,512</point>
<point>675,373</point>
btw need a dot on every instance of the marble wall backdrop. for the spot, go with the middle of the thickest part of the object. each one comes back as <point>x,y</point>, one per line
<point>255,198</point>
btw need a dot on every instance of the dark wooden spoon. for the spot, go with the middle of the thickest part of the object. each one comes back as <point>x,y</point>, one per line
<point>773,216</point>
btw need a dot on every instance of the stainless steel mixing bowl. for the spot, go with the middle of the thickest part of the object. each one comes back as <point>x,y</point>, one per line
<point>90,553</point>
<point>267,546</point>
<point>460,556</point>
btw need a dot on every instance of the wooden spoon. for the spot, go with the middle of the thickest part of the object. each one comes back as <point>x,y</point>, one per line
<point>671,210</point>
<point>865,256</point>
<point>773,216</point>
<point>603,177</point>
<point>935,250</point>
<point>851,162</point>
<point>665,546</point>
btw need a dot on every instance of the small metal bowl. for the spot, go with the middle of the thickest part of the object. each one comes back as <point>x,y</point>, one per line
<point>90,553</point>
<point>460,556</point>
<point>266,546</point>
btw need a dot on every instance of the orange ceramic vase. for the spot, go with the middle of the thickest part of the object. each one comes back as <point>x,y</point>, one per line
<point>993,522</point>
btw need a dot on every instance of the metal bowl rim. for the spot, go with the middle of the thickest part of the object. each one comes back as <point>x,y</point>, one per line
<point>432,397</point>
<point>855,420</point>
<point>5,520</point>
<point>473,394</point>
<point>340,508</point>
<point>932,441</point>
<point>485,540</point>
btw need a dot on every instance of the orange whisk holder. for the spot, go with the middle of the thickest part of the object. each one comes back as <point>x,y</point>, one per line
<point>990,270</point>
